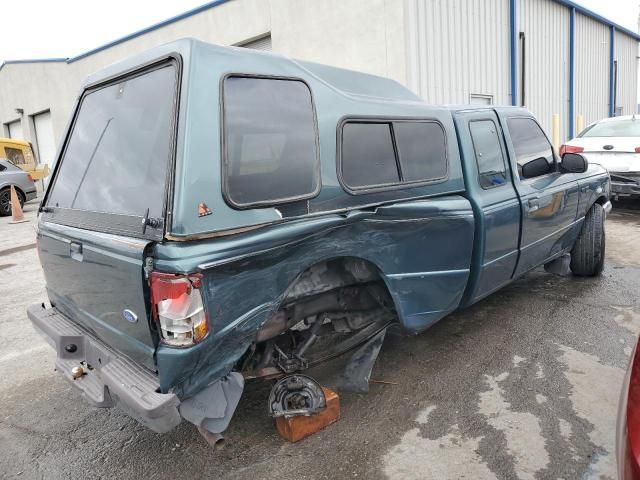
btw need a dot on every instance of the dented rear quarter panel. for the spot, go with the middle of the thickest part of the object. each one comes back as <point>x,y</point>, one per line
<point>421,248</point>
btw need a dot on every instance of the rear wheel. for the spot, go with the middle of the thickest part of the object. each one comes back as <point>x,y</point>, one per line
<point>587,256</point>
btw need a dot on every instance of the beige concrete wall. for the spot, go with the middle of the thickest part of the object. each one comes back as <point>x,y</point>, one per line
<point>366,35</point>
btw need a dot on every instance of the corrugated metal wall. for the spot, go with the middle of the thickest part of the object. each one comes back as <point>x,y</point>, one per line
<point>627,78</point>
<point>458,48</point>
<point>592,69</point>
<point>546,28</point>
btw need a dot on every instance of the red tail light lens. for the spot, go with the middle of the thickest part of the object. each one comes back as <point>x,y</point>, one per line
<point>570,149</point>
<point>637,149</point>
<point>177,308</point>
<point>29,177</point>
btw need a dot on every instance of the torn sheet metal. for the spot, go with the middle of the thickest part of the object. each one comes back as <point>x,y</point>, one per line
<point>357,373</point>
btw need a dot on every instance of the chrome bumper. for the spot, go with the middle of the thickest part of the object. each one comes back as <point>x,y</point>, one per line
<point>108,377</point>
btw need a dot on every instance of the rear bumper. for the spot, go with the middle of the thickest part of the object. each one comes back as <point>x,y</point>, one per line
<point>30,195</point>
<point>625,184</point>
<point>110,378</point>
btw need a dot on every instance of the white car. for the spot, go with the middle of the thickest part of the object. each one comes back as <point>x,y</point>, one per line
<point>613,143</point>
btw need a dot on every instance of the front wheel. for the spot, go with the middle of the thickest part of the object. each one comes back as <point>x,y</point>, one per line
<point>587,256</point>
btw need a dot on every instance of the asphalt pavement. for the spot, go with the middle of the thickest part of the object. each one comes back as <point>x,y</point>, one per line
<point>525,384</point>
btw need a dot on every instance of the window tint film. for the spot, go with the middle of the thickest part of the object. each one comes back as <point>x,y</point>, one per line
<point>116,159</point>
<point>368,158</point>
<point>270,141</point>
<point>530,144</point>
<point>422,149</point>
<point>488,151</point>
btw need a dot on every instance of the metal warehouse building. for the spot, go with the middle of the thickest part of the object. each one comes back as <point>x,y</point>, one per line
<point>553,56</point>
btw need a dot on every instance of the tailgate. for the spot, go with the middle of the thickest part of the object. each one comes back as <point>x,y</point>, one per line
<point>106,204</point>
<point>97,280</point>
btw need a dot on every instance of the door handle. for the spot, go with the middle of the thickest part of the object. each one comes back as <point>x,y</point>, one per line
<point>75,251</point>
<point>533,205</point>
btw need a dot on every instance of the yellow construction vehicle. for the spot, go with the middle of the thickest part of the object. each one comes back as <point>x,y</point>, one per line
<point>20,153</point>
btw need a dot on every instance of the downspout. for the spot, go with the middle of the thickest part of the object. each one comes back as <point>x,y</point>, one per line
<point>572,71</point>
<point>612,72</point>
<point>513,42</point>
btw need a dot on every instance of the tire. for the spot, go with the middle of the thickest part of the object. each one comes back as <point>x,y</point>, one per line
<point>587,255</point>
<point>5,201</point>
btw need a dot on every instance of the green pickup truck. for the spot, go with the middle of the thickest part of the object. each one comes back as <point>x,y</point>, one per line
<point>218,215</point>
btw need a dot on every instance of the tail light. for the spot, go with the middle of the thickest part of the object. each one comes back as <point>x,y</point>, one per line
<point>29,177</point>
<point>177,308</point>
<point>637,149</point>
<point>570,149</point>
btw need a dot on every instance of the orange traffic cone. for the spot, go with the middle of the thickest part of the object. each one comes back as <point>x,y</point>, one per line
<point>16,210</point>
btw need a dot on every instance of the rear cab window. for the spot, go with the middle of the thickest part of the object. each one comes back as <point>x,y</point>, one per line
<point>613,128</point>
<point>114,167</point>
<point>377,155</point>
<point>270,141</point>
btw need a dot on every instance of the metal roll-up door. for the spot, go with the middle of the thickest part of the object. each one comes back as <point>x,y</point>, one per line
<point>15,130</point>
<point>44,138</point>
<point>262,43</point>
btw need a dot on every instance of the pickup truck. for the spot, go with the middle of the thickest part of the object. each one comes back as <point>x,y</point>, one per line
<point>218,214</point>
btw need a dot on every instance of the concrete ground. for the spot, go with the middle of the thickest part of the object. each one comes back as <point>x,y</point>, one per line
<point>523,385</point>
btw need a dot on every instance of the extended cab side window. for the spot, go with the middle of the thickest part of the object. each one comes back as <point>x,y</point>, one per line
<point>488,152</point>
<point>534,154</point>
<point>270,147</point>
<point>393,153</point>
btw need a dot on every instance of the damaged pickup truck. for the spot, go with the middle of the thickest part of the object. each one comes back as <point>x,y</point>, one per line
<point>219,214</point>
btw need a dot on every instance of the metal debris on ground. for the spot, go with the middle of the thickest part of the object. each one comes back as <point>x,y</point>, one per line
<point>301,407</point>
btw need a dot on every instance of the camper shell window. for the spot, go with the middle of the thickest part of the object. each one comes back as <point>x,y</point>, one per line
<point>380,154</point>
<point>270,142</point>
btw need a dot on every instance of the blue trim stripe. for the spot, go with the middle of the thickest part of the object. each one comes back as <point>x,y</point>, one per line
<point>35,60</point>
<point>215,3</point>
<point>612,81</point>
<point>126,38</point>
<point>513,45</point>
<point>572,71</point>
<point>599,18</point>
<point>164,23</point>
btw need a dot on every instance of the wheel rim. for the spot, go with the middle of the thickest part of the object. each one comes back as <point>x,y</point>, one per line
<point>5,201</point>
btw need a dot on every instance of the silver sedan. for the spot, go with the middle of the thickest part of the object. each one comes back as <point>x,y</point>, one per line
<point>21,180</point>
<point>613,143</point>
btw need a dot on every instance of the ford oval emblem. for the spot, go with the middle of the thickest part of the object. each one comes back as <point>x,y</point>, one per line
<point>129,316</point>
<point>608,147</point>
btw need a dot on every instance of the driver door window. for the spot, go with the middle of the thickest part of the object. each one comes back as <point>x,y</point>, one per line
<point>531,147</point>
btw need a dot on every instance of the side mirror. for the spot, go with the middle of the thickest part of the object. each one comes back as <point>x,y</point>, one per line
<point>536,168</point>
<point>573,163</point>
